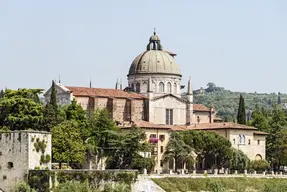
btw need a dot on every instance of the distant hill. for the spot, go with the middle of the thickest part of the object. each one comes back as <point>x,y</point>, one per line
<point>226,102</point>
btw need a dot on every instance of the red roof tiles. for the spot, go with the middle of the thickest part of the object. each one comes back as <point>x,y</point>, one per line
<point>101,92</point>
<point>221,125</point>
<point>200,107</point>
<point>201,126</point>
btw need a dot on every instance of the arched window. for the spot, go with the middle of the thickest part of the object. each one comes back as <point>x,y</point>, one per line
<point>144,87</point>
<point>168,87</point>
<point>161,87</point>
<point>240,139</point>
<point>133,86</point>
<point>175,88</point>
<point>154,87</point>
<point>258,157</point>
<point>138,87</point>
<point>243,139</point>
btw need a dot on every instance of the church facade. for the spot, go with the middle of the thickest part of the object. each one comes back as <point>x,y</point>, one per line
<point>156,101</point>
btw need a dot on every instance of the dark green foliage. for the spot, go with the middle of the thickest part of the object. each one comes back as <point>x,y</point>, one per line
<point>140,163</point>
<point>49,118</point>
<point>241,113</point>
<point>259,165</point>
<point>39,179</point>
<point>126,154</point>
<point>225,101</point>
<point>1,94</point>
<point>178,150</point>
<point>22,187</point>
<point>51,111</point>
<point>238,161</point>
<point>274,123</point>
<point>67,143</point>
<point>75,112</point>
<point>103,135</point>
<point>209,145</point>
<point>20,109</point>
<point>53,97</point>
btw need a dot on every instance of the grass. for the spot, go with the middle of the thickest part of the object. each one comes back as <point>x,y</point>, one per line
<point>222,184</point>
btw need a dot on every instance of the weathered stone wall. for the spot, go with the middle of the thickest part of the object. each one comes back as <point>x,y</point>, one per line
<point>18,155</point>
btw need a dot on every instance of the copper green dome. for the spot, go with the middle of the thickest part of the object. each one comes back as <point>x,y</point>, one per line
<point>154,60</point>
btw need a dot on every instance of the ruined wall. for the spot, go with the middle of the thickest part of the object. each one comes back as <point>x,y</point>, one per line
<point>18,155</point>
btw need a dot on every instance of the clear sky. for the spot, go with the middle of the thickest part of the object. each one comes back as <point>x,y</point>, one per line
<point>240,45</point>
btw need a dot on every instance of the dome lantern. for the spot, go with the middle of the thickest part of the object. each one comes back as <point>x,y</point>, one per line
<point>154,42</point>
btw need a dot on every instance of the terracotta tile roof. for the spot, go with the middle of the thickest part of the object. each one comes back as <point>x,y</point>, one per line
<point>146,124</point>
<point>260,133</point>
<point>221,125</point>
<point>202,126</point>
<point>200,107</point>
<point>101,92</point>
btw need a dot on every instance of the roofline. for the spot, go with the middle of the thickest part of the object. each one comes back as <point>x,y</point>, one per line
<point>164,128</point>
<point>155,74</point>
<point>143,97</point>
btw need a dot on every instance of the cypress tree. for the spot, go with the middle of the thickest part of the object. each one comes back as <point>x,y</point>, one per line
<point>241,115</point>
<point>50,112</point>
<point>279,99</point>
<point>53,97</point>
<point>1,94</point>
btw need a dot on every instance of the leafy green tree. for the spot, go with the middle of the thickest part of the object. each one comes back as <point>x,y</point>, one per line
<point>241,114</point>
<point>67,143</point>
<point>178,151</point>
<point>127,150</point>
<point>21,109</point>
<point>276,138</point>
<point>238,160</point>
<point>51,111</point>
<point>259,165</point>
<point>75,112</point>
<point>215,149</point>
<point>103,132</point>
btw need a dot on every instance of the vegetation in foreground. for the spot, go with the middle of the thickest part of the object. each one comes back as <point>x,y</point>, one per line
<point>222,184</point>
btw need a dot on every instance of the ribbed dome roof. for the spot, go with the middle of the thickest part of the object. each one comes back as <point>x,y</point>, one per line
<point>154,60</point>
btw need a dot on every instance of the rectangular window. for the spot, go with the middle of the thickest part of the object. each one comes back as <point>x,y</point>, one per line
<point>162,137</point>
<point>161,163</point>
<point>258,142</point>
<point>152,136</point>
<point>169,116</point>
<point>161,149</point>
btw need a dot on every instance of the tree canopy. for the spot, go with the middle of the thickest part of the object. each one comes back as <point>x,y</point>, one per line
<point>21,109</point>
<point>210,146</point>
<point>178,151</point>
<point>67,143</point>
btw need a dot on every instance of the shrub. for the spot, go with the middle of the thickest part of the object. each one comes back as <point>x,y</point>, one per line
<point>214,186</point>
<point>73,187</point>
<point>259,165</point>
<point>22,187</point>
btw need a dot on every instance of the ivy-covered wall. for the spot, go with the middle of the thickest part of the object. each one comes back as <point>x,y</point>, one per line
<point>44,180</point>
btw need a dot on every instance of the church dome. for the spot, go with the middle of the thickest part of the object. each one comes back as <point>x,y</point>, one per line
<point>154,60</point>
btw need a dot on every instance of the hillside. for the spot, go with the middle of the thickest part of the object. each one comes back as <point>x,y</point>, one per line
<point>226,102</point>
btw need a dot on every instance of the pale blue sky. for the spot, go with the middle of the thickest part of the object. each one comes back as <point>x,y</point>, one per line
<point>240,45</point>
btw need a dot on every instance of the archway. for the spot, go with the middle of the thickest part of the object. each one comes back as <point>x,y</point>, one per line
<point>258,157</point>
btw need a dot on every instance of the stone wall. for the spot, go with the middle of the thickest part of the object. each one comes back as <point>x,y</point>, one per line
<point>18,155</point>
